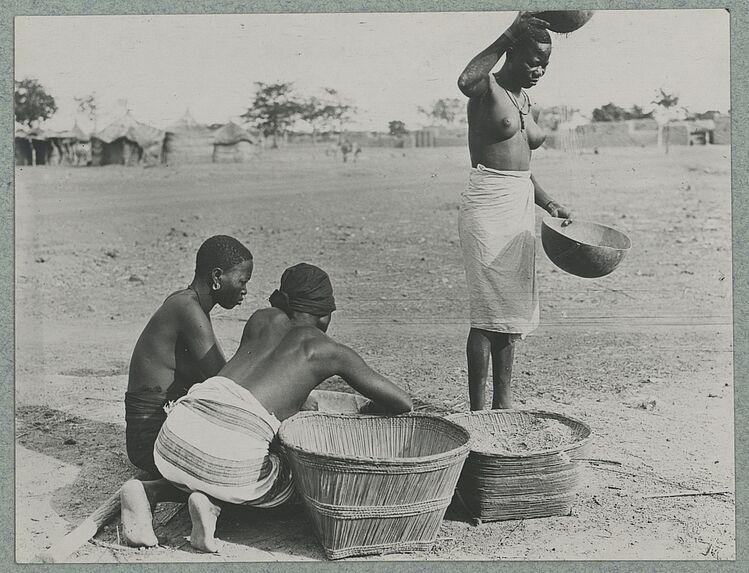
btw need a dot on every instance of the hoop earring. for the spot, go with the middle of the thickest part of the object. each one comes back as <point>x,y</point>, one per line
<point>215,286</point>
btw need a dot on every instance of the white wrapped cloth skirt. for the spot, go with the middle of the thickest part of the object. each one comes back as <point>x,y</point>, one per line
<point>496,224</point>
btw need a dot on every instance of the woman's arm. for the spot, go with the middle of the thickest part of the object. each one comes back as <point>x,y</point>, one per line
<point>548,204</point>
<point>387,397</point>
<point>474,81</point>
<point>196,329</point>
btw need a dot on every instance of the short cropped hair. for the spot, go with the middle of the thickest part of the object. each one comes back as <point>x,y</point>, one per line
<point>537,35</point>
<point>220,251</point>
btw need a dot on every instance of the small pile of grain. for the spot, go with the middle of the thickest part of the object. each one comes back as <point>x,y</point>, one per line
<point>537,435</point>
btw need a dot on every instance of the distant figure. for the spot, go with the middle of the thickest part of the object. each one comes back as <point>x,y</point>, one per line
<point>496,222</point>
<point>345,149</point>
<point>355,150</point>
<point>178,348</point>
<point>219,442</point>
<point>81,153</point>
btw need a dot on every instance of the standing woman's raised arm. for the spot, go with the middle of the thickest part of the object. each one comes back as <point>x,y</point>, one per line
<point>474,81</point>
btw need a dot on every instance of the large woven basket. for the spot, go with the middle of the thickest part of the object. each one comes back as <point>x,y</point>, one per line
<point>498,486</point>
<point>374,484</point>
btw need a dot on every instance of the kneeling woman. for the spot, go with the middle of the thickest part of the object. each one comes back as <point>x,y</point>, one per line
<point>178,347</point>
<point>219,442</point>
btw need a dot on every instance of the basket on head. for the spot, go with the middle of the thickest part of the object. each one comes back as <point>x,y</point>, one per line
<point>501,480</point>
<point>583,248</point>
<point>565,21</point>
<point>374,484</point>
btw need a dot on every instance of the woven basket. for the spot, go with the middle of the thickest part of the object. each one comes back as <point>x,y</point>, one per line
<point>500,486</point>
<point>374,484</point>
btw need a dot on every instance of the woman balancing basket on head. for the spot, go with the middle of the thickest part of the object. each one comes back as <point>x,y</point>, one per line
<point>497,221</point>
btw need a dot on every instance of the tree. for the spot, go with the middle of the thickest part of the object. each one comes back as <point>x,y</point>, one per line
<point>337,110</point>
<point>609,112</point>
<point>32,102</point>
<point>274,109</point>
<point>87,107</point>
<point>613,112</point>
<point>638,113</point>
<point>397,128</point>
<point>312,113</point>
<point>327,113</point>
<point>664,112</point>
<point>446,110</point>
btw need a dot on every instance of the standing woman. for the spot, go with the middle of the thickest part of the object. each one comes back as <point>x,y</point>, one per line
<point>497,221</point>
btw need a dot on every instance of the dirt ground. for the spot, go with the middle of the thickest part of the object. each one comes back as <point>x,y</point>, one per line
<point>644,355</point>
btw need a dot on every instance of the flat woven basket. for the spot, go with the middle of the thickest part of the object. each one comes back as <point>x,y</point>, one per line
<point>374,484</point>
<point>540,482</point>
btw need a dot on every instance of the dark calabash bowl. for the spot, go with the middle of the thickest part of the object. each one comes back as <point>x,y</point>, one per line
<point>583,248</point>
<point>565,21</point>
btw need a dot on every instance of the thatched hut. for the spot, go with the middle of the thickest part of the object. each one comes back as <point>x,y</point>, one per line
<point>187,141</point>
<point>127,142</point>
<point>71,146</point>
<point>232,144</point>
<point>31,146</point>
<point>22,146</point>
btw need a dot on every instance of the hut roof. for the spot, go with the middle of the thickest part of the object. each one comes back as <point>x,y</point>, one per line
<point>35,133</point>
<point>230,134</point>
<point>187,124</point>
<point>129,128</point>
<point>75,133</point>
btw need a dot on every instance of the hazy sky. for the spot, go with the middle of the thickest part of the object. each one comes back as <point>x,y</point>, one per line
<point>386,64</point>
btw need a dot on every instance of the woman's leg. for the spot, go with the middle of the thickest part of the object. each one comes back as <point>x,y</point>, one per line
<point>203,514</point>
<point>137,500</point>
<point>503,354</point>
<point>137,516</point>
<point>478,352</point>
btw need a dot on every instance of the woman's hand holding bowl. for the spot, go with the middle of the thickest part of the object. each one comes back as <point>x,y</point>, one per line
<point>560,212</point>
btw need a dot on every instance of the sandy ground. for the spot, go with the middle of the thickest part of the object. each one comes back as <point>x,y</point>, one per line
<point>644,355</point>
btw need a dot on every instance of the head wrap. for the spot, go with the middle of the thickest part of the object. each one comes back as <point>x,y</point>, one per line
<point>304,288</point>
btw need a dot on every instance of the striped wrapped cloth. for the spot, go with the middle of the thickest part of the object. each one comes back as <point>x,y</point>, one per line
<point>220,440</point>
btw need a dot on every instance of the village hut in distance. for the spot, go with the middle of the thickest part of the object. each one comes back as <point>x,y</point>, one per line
<point>127,142</point>
<point>31,146</point>
<point>232,144</point>
<point>186,141</point>
<point>70,146</point>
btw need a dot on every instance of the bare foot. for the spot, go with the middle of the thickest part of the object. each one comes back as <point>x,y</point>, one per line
<point>137,521</point>
<point>204,514</point>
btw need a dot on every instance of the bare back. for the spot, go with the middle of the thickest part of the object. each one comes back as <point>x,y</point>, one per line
<point>281,362</point>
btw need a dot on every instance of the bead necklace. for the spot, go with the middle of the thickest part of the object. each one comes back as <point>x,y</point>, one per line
<point>519,107</point>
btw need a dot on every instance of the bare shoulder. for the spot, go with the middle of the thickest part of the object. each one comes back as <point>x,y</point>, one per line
<point>336,353</point>
<point>262,319</point>
<point>496,96</point>
<point>180,300</point>
<point>184,306</point>
<point>316,343</point>
<point>267,316</point>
